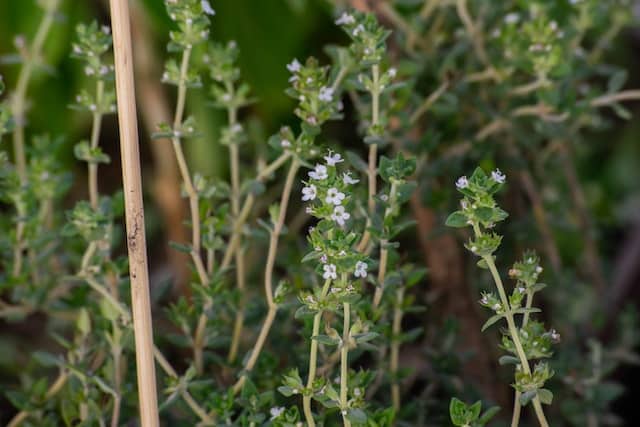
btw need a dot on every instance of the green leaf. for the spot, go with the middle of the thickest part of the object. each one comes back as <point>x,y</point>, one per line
<point>180,247</point>
<point>493,319</point>
<point>457,219</point>
<point>508,360</point>
<point>484,214</point>
<point>46,359</point>
<point>325,339</point>
<point>527,396</point>
<point>356,416</point>
<point>356,161</point>
<point>457,412</point>
<point>366,337</point>
<point>617,81</point>
<point>545,396</point>
<point>488,414</point>
<point>474,411</point>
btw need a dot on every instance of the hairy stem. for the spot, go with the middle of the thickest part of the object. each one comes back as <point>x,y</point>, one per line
<point>313,361</point>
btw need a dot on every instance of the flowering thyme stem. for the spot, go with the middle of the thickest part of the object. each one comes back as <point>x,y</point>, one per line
<point>344,361</point>
<point>513,330</point>
<point>515,420</point>
<point>373,154</point>
<point>268,275</point>
<point>313,360</point>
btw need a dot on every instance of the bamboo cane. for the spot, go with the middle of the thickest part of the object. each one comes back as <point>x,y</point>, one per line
<point>134,213</point>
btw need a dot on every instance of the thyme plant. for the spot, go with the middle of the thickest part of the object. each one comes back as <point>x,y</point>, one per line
<point>306,294</point>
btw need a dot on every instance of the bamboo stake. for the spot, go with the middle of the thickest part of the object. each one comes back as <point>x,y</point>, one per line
<point>134,213</point>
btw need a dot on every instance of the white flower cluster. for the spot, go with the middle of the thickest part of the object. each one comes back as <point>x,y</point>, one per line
<point>334,196</point>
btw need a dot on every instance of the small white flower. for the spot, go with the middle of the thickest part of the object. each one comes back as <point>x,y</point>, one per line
<point>346,178</point>
<point>206,8</point>
<point>359,29</point>
<point>521,290</point>
<point>361,269</point>
<point>285,143</point>
<point>497,306</point>
<point>392,72</point>
<point>308,210</point>
<point>334,196</point>
<point>462,182</point>
<point>236,128</point>
<point>357,392</point>
<point>294,66</point>
<point>345,19</point>
<point>89,71</point>
<point>310,299</point>
<point>276,411</point>
<point>339,215</point>
<point>329,272</point>
<point>498,176</point>
<point>323,259</point>
<point>319,173</point>
<point>538,269</point>
<point>326,94</point>
<point>309,193</point>
<point>106,29</point>
<point>512,18</point>
<point>554,335</point>
<point>333,159</point>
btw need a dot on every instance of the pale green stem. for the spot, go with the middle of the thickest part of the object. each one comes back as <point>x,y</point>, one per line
<point>313,360</point>
<point>235,239</point>
<point>372,172</point>
<point>268,275</point>
<point>234,158</point>
<point>515,420</point>
<point>384,252</point>
<point>18,106</point>
<point>344,361</point>
<point>513,330</point>
<point>198,346</point>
